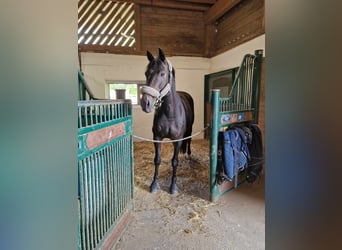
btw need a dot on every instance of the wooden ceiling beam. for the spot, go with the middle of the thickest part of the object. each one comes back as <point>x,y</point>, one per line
<point>199,1</point>
<point>185,5</point>
<point>219,9</point>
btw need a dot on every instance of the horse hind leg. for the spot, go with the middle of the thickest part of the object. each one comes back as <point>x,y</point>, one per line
<point>189,147</point>
<point>155,185</point>
<point>173,187</point>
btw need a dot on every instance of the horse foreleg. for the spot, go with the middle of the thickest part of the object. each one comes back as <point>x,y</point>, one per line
<point>155,185</point>
<point>173,186</point>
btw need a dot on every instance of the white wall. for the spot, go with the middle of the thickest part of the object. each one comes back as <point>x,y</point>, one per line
<point>232,58</point>
<point>190,72</point>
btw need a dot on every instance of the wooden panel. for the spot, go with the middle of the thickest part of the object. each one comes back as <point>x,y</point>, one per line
<point>243,23</point>
<point>160,23</point>
<point>198,1</point>
<point>178,32</point>
<point>219,9</point>
<point>185,5</point>
<point>210,35</point>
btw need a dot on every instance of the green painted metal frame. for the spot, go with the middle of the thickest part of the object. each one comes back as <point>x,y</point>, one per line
<point>207,78</point>
<point>83,89</point>
<point>106,174</point>
<point>220,112</point>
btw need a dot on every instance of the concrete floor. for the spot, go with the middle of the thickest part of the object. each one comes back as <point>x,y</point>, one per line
<point>162,221</point>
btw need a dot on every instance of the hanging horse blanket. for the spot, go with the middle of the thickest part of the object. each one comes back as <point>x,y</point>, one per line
<point>235,151</point>
<point>242,149</point>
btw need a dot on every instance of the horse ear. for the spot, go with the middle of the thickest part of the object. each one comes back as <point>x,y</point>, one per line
<point>161,54</point>
<point>149,56</point>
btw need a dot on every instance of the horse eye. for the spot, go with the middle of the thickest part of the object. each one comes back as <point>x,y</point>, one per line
<point>162,74</point>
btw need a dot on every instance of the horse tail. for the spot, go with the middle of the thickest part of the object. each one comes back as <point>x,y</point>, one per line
<point>188,104</point>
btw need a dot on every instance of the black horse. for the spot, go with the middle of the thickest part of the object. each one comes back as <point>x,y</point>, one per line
<point>174,113</point>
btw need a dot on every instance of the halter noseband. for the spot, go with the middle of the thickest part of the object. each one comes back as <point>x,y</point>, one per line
<point>156,93</point>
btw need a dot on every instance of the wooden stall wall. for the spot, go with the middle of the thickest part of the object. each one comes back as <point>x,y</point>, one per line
<point>180,28</point>
<point>242,23</point>
<point>177,32</point>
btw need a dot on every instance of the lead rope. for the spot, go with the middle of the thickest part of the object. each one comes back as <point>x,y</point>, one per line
<point>167,141</point>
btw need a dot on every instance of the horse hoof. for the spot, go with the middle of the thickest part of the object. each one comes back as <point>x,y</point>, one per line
<point>173,189</point>
<point>154,187</point>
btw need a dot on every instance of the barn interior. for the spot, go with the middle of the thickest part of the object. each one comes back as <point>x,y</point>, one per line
<point>204,39</point>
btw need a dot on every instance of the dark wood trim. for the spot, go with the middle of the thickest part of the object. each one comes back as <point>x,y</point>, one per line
<point>173,4</point>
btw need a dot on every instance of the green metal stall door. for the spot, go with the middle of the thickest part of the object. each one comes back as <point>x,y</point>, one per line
<point>105,169</point>
<point>241,106</point>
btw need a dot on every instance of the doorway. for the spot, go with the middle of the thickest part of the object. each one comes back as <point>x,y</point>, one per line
<point>223,81</point>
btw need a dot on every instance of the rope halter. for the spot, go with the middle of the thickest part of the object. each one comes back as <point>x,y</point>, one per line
<point>156,93</point>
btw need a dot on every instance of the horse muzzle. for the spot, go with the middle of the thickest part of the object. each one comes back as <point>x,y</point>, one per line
<point>147,103</point>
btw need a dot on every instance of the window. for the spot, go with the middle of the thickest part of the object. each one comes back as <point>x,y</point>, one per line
<point>125,90</point>
<point>107,24</point>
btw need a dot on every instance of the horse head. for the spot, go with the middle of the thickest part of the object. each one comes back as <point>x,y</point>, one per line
<point>159,74</point>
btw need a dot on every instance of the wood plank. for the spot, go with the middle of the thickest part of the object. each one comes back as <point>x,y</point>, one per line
<point>183,36</point>
<point>243,23</point>
<point>219,9</point>
<point>210,37</point>
<point>173,4</point>
<point>198,1</point>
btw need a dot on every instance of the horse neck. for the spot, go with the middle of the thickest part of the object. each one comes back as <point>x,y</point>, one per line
<point>170,102</point>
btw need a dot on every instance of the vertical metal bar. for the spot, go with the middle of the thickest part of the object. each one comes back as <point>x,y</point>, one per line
<point>105,107</point>
<point>113,196</point>
<point>126,168</point>
<point>79,118</point>
<point>111,112</point>
<point>131,161</point>
<point>119,177</point>
<point>85,116</point>
<point>107,188</point>
<point>247,92</point>
<point>215,93</point>
<point>242,93</point>
<point>247,83</point>
<point>116,176</point>
<point>96,232</point>
<point>94,203</point>
<point>101,114</point>
<point>82,184</point>
<point>91,115</point>
<point>106,202</point>
<point>110,186</point>
<point>103,191</point>
<point>87,203</point>
<point>97,195</point>
<point>122,193</point>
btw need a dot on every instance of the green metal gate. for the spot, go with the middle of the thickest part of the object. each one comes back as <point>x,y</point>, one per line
<point>105,171</point>
<point>241,106</point>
